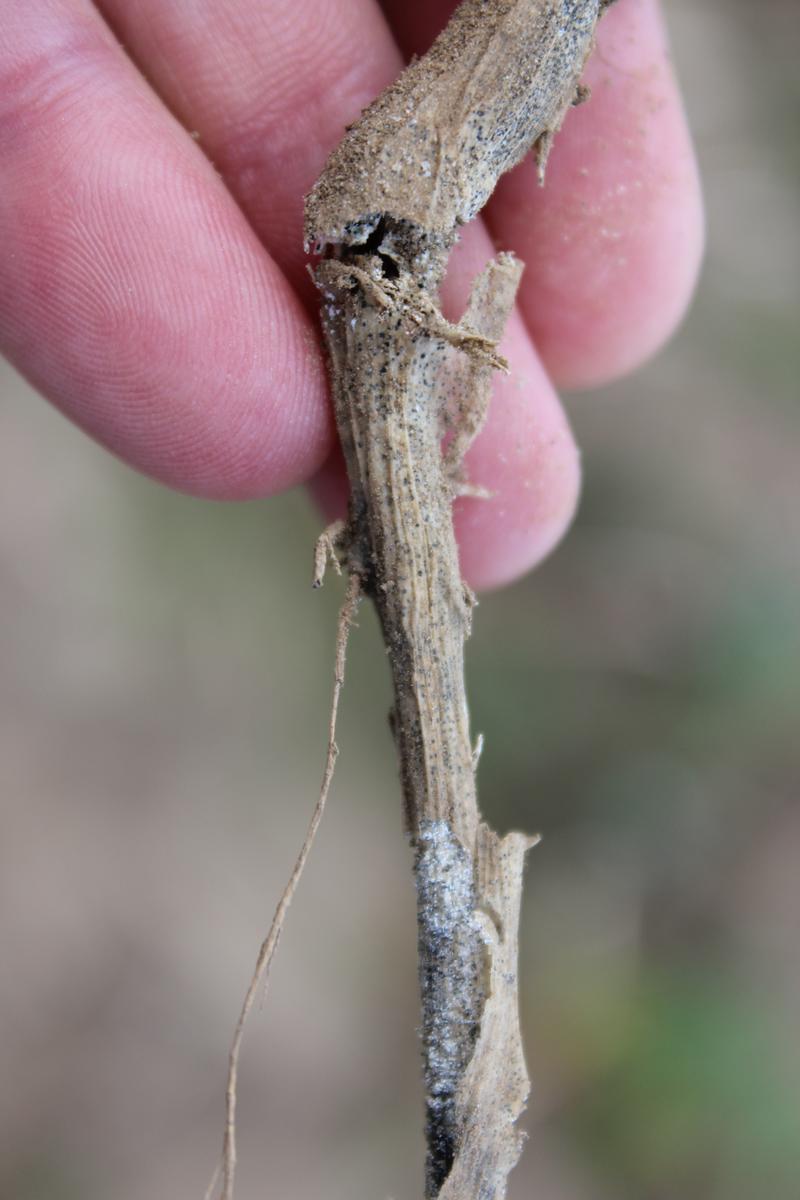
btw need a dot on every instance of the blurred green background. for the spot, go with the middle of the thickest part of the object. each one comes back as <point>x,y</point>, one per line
<point>164,686</point>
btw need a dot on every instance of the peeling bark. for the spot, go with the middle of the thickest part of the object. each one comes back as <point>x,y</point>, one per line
<point>422,160</point>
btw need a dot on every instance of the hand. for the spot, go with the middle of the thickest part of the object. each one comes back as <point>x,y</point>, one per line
<point>162,301</point>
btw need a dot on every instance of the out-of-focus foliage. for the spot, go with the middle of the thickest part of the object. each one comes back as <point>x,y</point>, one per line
<point>163,704</point>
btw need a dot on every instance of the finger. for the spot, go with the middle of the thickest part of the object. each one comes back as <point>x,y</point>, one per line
<point>269,88</point>
<point>613,241</point>
<point>525,457</point>
<point>132,291</point>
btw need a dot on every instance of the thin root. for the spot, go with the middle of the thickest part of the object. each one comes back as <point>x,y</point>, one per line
<point>270,943</point>
<point>329,543</point>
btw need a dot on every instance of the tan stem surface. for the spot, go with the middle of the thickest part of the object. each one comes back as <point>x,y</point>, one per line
<point>422,160</point>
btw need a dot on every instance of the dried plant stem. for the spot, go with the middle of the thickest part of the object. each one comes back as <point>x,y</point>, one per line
<point>270,944</point>
<point>421,161</point>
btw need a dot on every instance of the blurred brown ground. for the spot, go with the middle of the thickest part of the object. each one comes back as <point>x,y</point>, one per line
<point>164,680</point>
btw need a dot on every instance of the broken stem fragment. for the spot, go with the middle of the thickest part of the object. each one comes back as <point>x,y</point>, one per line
<point>422,160</point>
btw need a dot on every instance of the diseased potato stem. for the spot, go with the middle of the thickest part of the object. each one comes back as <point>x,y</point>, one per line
<point>422,160</point>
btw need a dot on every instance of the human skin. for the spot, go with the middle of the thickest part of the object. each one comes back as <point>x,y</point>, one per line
<point>152,274</point>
